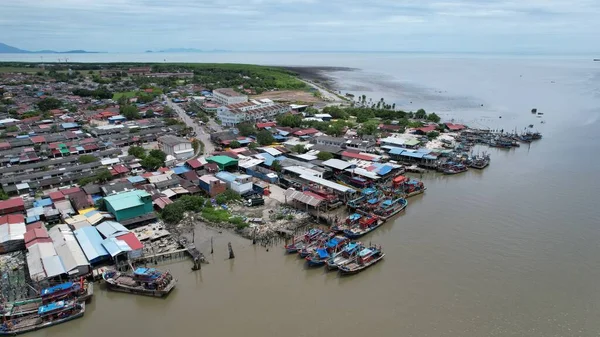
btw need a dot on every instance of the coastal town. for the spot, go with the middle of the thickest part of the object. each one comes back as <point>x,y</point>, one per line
<point>105,167</point>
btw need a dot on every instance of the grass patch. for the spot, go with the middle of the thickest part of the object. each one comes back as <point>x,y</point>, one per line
<point>127,94</point>
<point>19,70</point>
<point>216,215</point>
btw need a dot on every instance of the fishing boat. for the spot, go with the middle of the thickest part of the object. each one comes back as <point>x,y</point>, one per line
<point>46,315</point>
<point>318,258</point>
<point>363,260</point>
<point>408,187</point>
<point>350,221</point>
<point>143,281</point>
<point>344,256</point>
<point>80,291</point>
<point>366,193</point>
<point>480,161</point>
<point>366,224</point>
<point>317,243</point>
<point>301,241</point>
<point>390,207</point>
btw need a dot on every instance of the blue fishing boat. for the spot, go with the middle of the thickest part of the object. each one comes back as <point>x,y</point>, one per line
<point>318,258</point>
<point>350,221</point>
<point>365,225</point>
<point>344,256</point>
<point>142,281</point>
<point>47,315</point>
<point>301,241</point>
<point>390,207</point>
<point>366,193</point>
<point>363,260</point>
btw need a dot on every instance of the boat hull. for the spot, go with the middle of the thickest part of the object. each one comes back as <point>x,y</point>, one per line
<point>140,291</point>
<point>345,271</point>
<point>44,325</point>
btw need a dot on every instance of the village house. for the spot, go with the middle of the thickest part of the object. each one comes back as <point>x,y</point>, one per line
<point>177,147</point>
<point>228,96</point>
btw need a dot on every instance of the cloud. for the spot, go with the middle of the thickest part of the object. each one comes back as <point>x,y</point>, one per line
<point>459,25</point>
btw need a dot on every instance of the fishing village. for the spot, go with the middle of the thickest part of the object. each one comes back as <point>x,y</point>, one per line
<point>107,169</point>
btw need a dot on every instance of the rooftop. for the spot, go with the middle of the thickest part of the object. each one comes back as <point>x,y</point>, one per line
<point>126,200</point>
<point>228,92</point>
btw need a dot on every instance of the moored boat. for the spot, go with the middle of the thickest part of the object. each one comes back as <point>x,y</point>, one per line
<point>318,258</point>
<point>350,221</point>
<point>480,161</point>
<point>46,315</point>
<point>317,243</point>
<point>390,207</point>
<point>363,260</point>
<point>143,281</point>
<point>454,168</point>
<point>365,225</point>
<point>344,256</point>
<point>299,242</point>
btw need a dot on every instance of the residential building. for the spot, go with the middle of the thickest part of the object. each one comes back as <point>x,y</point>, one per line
<point>128,205</point>
<point>361,145</point>
<point>227,96</point>
<point>223,162</point>
<point>253,111</point>
<point>13,205</point>
<point>69,251</point>
<point>177,147</point>
<point>238,183</point>
<point>212,185</point>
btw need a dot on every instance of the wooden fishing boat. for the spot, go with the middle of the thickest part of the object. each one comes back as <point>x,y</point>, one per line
<point>363,260</point>
<point>366,194</point>
<point>317,243</point>
<point>46,316</point>
<point>351,220</point>
<point>344,256</point>
<point>390,207</point>
<point>301,241</point>
<point>318,258</point>
<point>366,225</point>
<point>80,291</point>
<point>454,168</point>
<point>480,161</point>
<point>143,281</point>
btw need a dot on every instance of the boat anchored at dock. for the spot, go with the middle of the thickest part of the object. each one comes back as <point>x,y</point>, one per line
<point>363,260</point>
<point>143,281</point>
<point>45,316</point>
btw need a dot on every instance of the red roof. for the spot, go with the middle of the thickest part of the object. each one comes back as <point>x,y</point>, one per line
<point>120,169</point>
<point>90,147</point>
<point>12,203</point>
<point>455,127</point>
<point>36,233</point>
<point>390,127</point>
<point>34,225</point>
<point>38,139</point>
<point>70,190</point>
<point>427,128</point>
<point>357,155</point>
<point>131,240</point>
<point>164,169</point>
<point>4,145</point>
<point>148,90</point>
<point>161,202</point>
<point>148,175</point>
<point>55,196</point>
<point>306,132</point>
<point>12,219</point>
<point>265,125</point>
<point>194,163</point>
<point>314,195</point>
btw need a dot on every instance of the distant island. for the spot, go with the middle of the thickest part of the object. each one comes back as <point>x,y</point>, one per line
<point>6,49</point>
<point>186,50</point>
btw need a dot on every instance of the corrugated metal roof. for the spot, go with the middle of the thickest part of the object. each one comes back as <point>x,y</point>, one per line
<point>337,164</point>
<point>91,243</point>
<point>53,266</point>
<point>115,246</point>
<point>126,200</point>
<point>327,183</point>
<point>67,247</point>
<point>111,228</point>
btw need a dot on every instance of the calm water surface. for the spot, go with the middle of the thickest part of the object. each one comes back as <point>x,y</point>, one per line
<point>508,251</point>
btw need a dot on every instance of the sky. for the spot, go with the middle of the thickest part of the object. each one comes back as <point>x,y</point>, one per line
<point>513,26</point>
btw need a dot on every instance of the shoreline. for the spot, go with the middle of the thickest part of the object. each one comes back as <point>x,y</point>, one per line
<point>318,75</point>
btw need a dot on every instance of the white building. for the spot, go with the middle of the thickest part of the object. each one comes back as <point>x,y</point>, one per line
<point>253,111</point>
<point>227,96</point>
<point>177,147</point>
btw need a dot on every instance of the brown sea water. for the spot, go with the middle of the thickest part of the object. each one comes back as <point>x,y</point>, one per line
<point>512,250</point>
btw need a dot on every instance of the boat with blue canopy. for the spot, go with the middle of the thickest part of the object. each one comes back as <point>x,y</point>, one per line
<point>45,316</point>
<point>365,258</point>
<point>344,256</point>
<point>142,281</point>
<point>318,258</point>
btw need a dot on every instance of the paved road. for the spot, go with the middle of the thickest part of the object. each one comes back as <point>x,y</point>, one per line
<point>201,133</point>
<point>326,95</point>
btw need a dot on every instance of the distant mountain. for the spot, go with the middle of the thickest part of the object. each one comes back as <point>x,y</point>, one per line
<point>184,50</point>
<point>6,49</point>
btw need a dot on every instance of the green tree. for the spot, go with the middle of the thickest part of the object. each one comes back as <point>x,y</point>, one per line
<point>152,163</point>
<point>336,128</point>
<point>137,151</point>
<point>289,120</point>
<point>253,146</point>
<point>12,128</point>
<point>130,112</point>
<point>49,104</point>
<point>158,154</point>
<point>246,129</point>
<point>195,145</point>
<point>264,137</point>
<point>235,144</point>
<point>324,155</point>
<point>103,175</point>
<point>276,166</point>
<point>173,213</point>
<point>420,114</point>
<point>432,117</point>
<point>368,128</point>
<point>299,149</point>
<point>3,195</point>
<point>432,135</point>
<point>86,159</point>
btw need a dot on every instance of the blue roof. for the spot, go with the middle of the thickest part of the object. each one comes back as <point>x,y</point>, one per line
<point>428,156</point>
<point>119,117</point>
<point>226,176</point>
<point>44,309</point>
<point>365,252</point>
<point>323,253</point>
<point>413,154</point>
<point>31,219</point>
<point>373,200</point>
<point>115,247</point>
<point>383,170</point>
<point>144,271</point>
<point>91,243</point>
<point>69,125</point>
<point>111,228</point>
<point>136,179</point>
<point>57,288</point>
<point>42,202</point>
<point>79,148</point>
<point>397,150</point>
<point>354,216</point>
<point>180,170</point>
<point>333,242</point>
<point>283,133</point>
<point>368,190</point>
<point>92,213</point>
